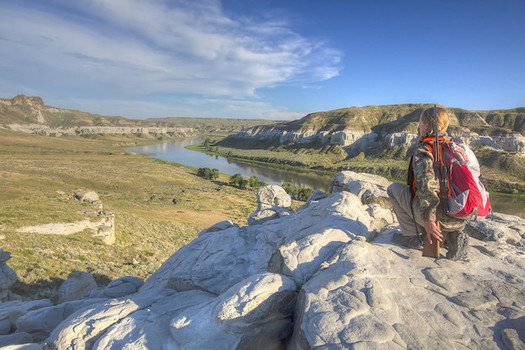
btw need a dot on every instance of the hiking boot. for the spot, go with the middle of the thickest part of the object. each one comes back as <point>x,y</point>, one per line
<point>407,241</point>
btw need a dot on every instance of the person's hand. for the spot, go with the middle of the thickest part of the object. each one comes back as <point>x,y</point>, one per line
<point>432,231</point>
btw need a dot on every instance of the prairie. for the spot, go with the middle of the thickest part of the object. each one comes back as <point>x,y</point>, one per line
<point>38,172</point>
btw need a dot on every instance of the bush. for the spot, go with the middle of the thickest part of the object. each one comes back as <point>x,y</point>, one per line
<point>255,183</point>
<point>208,174</point>
<point>235,180</point>
<point>300,194</point>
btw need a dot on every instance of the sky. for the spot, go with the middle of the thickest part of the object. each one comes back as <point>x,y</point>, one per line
<point>265,59</point>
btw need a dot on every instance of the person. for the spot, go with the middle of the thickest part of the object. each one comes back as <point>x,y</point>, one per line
<point>416,204</point>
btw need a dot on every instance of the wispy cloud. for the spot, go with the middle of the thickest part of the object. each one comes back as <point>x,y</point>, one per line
<point>126,48</point>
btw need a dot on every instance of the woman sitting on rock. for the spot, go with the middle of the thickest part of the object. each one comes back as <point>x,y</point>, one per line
<point>417,205</point>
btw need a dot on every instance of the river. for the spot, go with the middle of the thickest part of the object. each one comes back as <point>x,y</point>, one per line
<point>175,151</point>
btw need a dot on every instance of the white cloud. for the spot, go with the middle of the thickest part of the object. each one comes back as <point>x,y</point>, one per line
<point>185,107</point>
<point>124,48</point>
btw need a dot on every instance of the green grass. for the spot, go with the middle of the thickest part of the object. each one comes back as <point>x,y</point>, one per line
<point>138,189</point>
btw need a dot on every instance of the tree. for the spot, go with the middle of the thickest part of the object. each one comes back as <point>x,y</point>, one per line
<point>289,188</point>
<point>214,174</point>
<point>303,193</point>
<point>206,173</point>
<point>207,143</point>
<point>243,183</point>
<point>236,179</point>
<point>255,183</point>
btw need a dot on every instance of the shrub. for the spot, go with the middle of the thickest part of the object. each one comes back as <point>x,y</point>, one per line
<point>208,174</point>
<point>235,180</point>
<point>300,194</point>
<point>255,183</point>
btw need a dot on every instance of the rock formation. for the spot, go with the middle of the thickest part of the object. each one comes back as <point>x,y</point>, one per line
<point>273,202</point>
<point>356,141</point>
<point>325,277</point>
<point>100,222</point>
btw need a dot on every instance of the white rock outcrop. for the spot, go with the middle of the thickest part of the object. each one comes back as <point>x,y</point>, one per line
<point>273,202</point>
<point>357,141</point>
<point>100,222</point>
<point>77,285</point>
<point>326,277</point>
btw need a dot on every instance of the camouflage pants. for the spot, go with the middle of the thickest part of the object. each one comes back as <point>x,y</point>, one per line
<point>406,210</point>
<point>411,223</point>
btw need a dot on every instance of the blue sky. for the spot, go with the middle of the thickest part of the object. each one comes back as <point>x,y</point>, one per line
<point>271,59</point>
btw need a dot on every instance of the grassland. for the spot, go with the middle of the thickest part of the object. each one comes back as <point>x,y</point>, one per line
<point>138,189</point>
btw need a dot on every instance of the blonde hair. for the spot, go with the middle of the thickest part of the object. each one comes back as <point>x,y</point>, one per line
<point>443,120</point>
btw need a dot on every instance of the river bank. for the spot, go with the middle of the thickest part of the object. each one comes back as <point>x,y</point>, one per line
<point>502,201</point>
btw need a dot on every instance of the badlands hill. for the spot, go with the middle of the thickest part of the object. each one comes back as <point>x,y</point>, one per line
<point>30,114</point>
<point>380,139</point>
<point>325,277</point>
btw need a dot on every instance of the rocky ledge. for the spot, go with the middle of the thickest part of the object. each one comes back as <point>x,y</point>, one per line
<point>325,277</point>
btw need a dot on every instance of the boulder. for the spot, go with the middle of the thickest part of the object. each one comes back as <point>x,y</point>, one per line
<point>220,226</point>
<point>40,322</point>
<point>11,311</point>
<point>82,328</point>
<point>31,346</point>
<point>15,339</point>
<point>77,285</point>
<point>332,268</point>
<point>7,276</point>
<point>149,328</point>
<point>208,264</point>
<point>253,314</point>
<point>86,196</point>
<point>395,298</point>
<point>502,228</point>
<point>123,286</point>
<point>273,203</point>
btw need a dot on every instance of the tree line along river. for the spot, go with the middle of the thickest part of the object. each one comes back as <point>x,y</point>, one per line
<point>175,151</point>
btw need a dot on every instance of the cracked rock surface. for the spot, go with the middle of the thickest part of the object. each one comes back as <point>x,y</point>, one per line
<point>326,277</point>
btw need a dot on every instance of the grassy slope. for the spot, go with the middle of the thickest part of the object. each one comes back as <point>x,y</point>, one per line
<point>136,188</point>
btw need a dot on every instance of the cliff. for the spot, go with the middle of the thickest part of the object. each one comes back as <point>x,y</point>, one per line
<point>370,128</point>
<point>325,277</point>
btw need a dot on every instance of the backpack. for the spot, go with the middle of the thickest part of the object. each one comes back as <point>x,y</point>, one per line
<point>466,195</point>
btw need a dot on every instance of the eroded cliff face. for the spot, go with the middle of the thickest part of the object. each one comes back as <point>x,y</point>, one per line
<point>358,140</point>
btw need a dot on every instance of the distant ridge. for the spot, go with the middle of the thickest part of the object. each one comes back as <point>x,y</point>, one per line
<point>404,117</point>
<point>29,113</point>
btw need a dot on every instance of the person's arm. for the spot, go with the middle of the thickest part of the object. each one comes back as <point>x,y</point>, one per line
<point>427,189</point>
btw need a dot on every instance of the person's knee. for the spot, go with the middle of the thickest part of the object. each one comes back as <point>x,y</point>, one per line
<point>394,189</point>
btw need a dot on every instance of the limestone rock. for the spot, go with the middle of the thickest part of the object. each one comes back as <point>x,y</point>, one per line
<point>77,285</point>
<point>82,328</point>
<point>41,322</point>
<point>11,311</point>
<point>7,276</point>
<point>123,286</point>
<point>273,203</point>
<point>86,196</point>
<point>254,313</point>
<point>31,346</point>
<point>395,298</point>
<point>504,228</point>
<point>15,339</point>
<point>332,266</point>
<point>220,226</point>
<point>149,328</point>
<point>213,262</point>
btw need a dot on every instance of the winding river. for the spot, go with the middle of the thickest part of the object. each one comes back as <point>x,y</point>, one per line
<point>175,151</point>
